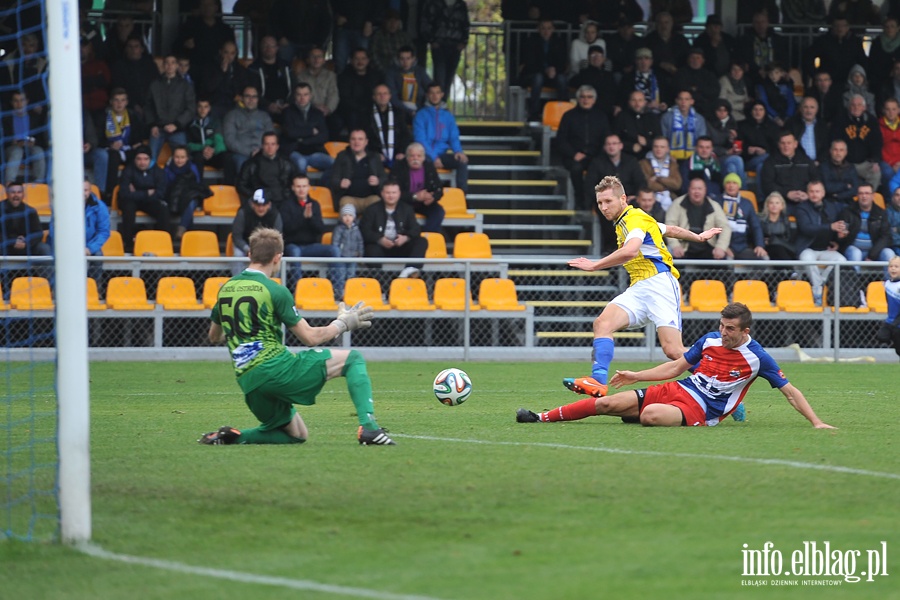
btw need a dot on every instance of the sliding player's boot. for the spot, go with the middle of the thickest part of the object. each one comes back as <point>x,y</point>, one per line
<point>523,415</point>
<point>740,413</point>
<point>586,385</point>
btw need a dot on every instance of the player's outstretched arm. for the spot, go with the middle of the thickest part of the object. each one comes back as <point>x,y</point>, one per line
<point>629,250</point>
<point>358,316</point>
<point>667,370</point>
<point>798,401</point>
<point>680,233</point>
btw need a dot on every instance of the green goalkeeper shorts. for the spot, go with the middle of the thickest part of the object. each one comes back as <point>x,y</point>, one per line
<point>293,379</point>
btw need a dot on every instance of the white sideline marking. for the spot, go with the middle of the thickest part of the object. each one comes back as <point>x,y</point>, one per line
<point>294,584</point>
<point>759,461</point>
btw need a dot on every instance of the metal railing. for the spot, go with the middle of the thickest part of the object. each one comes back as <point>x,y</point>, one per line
<point>553,322</point>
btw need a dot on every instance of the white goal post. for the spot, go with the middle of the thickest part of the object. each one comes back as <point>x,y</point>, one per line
<point>67,175</point>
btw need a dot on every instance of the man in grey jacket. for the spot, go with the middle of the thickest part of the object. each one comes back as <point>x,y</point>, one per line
<point>243,129</point>
<point>170,108</point>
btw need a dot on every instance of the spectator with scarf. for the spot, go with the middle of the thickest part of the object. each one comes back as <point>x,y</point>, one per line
<point>704,165</point>
<point>682,126</point>
<point>662,173</point>
<point>644,79</point>
<point>388,130</point>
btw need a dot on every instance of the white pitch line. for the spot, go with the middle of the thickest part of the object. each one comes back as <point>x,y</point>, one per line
<point>759,461</point>
<point>240,577</point>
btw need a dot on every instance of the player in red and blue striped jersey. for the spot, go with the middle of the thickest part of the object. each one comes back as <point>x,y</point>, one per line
<point>723,364</point>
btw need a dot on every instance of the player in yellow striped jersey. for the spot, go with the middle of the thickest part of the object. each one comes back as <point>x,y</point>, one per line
<point>653,293</point>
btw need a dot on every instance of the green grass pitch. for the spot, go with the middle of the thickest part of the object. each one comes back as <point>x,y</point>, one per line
<point>470,505</point>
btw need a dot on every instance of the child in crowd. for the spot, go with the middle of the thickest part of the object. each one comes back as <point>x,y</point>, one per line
<point>889,332</point>
<point>857,83</point>
<point>348,239</point>
<point>184,69</point>
<point>776,92</point>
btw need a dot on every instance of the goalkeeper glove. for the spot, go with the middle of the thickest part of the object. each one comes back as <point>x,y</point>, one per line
<point>356,317</point>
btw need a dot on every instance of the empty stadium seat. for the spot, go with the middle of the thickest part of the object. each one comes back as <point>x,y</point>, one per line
<point>127,293</point>
<point>30,293</point>
<point>113,246</point>
<point>322,195</point>
<point>177,293</point>
<point>315,293</point>
<point>37,196</point>
<point>553,112</point>
<point>326,238</point>
<point>334,148</point>
<point>93,296</point>
<point>224,202</point>
<point>470,244</point>
<point>879,199</point>
<point>152,242</point>
<point>229,245</point>
<point>755,294</point>
<point>200,244</point>
<point>498,294</point>
<point>708,295</point>
<point>366,289</point>
<point>211,290</point>
<point>450,294</point>
<point>409,294</point>
<point>437,245</point>
<point>876,298</point>
<point>454,203</point>
<point>796,296</point>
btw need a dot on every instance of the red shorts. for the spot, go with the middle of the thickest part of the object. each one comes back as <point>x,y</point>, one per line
<point>674,395</point>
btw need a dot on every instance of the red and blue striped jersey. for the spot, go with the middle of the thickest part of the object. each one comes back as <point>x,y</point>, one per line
<point>721,377</point>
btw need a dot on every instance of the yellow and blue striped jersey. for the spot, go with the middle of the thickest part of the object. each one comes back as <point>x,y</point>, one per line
<point>654,257</point>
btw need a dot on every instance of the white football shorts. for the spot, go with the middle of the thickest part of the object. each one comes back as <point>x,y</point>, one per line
<point>657,299</point>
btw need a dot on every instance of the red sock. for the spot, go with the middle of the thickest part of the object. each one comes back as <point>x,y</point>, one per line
<point>572,412</point>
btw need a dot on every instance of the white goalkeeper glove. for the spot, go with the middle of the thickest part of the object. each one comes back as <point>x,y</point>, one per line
<point>358,316</point>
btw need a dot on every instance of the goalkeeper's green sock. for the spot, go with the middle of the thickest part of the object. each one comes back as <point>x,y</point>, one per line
<point>360,387</point>
<point>258,436</point>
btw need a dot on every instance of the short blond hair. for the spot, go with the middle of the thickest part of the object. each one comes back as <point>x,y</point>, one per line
<point>265,244</point>
<point>775,196</point>
<point>610,182</point>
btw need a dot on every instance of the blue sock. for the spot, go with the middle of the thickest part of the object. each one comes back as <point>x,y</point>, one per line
<point>603,355</point>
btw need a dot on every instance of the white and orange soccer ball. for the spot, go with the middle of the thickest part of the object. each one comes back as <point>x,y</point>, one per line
<point>452,386</point>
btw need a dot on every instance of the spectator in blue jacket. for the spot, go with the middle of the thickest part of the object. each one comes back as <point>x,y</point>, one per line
<point>96,230</point>
<point>435,128</point>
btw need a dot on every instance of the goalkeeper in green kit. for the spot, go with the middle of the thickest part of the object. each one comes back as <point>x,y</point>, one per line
<point>248,315</point>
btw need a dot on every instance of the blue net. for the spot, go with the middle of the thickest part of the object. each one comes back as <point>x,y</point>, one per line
<point>28,409</point>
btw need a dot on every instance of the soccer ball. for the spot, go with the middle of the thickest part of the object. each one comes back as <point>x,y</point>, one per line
<point>452,387</point>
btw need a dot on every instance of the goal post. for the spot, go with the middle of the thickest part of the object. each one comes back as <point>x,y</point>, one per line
<point>67,175</point>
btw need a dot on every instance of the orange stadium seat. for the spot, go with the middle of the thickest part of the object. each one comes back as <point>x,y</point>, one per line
<point>322,195</point>
<point>409,294</point>
<point>499,294</point>
<point>796,296</point>
<point>450,294</point>
<point>31,293</point>
<point>553,112</point>
<point>152,242</point>
<point>127,293</point>
<point>454,203</point>
<point>93,296</point>
<point>224,202</point>
<point>437,245</point>
<point>708,295</point>
<point>113,246</point>
<point>876,298</point>
<point>755,294</point>
<point>366,289</point>
<point>177,293</point>
<point>200,244</point>
<point>211,290</point>
<point>315,293</point>
<point>470,244</point>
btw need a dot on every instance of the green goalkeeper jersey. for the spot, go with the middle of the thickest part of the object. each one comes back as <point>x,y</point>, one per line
<point>251,308</point>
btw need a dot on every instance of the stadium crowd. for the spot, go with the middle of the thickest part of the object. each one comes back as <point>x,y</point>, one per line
<point>696,124</point>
